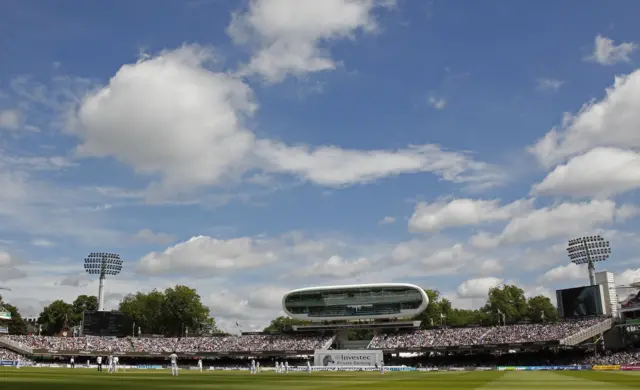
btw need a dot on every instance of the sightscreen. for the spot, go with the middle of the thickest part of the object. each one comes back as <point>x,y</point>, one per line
<point>580,301</point>
<point>105,323</point>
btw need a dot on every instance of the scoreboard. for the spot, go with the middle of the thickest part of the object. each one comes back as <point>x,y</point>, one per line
<point>580,301</point>
<point>105,323</point>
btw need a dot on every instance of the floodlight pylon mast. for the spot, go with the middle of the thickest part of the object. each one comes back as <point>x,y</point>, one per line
<point>101,291</point>
<point>102,264</point>
<point>588,250</point>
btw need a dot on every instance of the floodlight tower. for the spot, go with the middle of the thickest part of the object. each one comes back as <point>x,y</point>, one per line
<point>588,250</point>
<point>102,264</point>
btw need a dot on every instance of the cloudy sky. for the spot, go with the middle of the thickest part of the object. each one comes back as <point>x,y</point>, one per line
<point>249,147</point>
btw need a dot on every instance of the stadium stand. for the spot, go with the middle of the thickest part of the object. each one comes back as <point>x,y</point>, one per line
<point>252,343</point>
<point>511,334</point>
<point>561,333</point>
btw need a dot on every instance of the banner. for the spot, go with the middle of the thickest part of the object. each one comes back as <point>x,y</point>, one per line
<point>6,363</point>
<point>630,368</point>
<point>606,368</point>
<point>347,358</point>
<point>149,367</point>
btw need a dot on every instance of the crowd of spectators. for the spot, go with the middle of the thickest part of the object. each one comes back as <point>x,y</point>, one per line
<point>616,358</point>
<point>249,343</point>
<point>437,337</point>
<point>446,337</point>
<point>6,354</point>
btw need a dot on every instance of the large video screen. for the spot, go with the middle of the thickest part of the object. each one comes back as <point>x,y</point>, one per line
<point>105,323</point>
<point>580,301</point>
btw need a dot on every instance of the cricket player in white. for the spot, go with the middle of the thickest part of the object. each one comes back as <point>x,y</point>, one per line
<point>72,362</point>
<point>308,367</point>
<point>115,363</point>
<point>174,364</point>
<point>382,367</point>
<point>99,361</point>
<point>200,365</point>
<point>110,363</point>
<point>286,367</point>
<point>253,367</point>
<point>257,367</point>
<point>18,363</point>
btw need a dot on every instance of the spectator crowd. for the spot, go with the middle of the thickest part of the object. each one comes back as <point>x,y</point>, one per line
<point>448,337</point>
<point>248,343</point>
<point>437,337</point>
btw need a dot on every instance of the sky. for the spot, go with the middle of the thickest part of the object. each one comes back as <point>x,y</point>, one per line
<point>246,148</point>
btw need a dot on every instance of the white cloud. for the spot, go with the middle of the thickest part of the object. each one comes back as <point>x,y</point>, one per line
<point>9,119</point>
<point>606,52</point>
<point>75,280</point>
<point>335,167</point>
<point>206,255</point>
<point>628,276</point>
<point>195,117</point>
<point>170,115</point>
<point>546,84</point>
<point>601,172</point>
<point>562,220</point>
<point>441,215</point>
<point>336,267</point>
<point>149,236</point>
<point>288,34</point>
<point>387,220</point>
<point>626,212</point>
<point>477,288</point>
<point>613,121</point>
<point>569,272</point>
<point>8,269</point>
<point>42,242</point>
<point>490,267</point>
<point>433,258</point>
<point>437,103</point>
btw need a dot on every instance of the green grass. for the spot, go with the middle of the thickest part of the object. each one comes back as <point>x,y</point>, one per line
<point>83,379</point>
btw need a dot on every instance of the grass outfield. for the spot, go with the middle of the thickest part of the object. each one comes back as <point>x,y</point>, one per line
<point>83,379</point>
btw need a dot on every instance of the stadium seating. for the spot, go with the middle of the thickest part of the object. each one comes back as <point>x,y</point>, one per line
<point>251,343</point>
<point>438,337</point>
<point>448,337</point>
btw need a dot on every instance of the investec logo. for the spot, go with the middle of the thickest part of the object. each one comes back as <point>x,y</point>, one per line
<point>354,358</point>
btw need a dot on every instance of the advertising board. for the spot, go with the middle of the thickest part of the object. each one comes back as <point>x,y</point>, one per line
<point>630,368</point>
<point>606,368</point>
<point>347,358</point>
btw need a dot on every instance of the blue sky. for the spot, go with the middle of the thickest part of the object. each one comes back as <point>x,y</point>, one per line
<point>246,148</point>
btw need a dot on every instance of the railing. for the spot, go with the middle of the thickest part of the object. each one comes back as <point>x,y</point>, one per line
<point>16,347</point>
<point>328,344</point>
<point>587,333</point>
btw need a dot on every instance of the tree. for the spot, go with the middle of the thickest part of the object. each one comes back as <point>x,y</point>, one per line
<point>55,317</point>
<point>17,325</point>
<point>436,307</point>
<point>283,323</point>
<point>541,309</point>
<point>145,310</point>
<point>81,304</point>
<point>508,300</point>
<point>172,312</point>
<point>462,317</point>
<point>182,309</point>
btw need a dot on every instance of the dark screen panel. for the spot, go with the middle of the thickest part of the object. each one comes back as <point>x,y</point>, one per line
<point>580,301</point>
<point>105,323</point>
